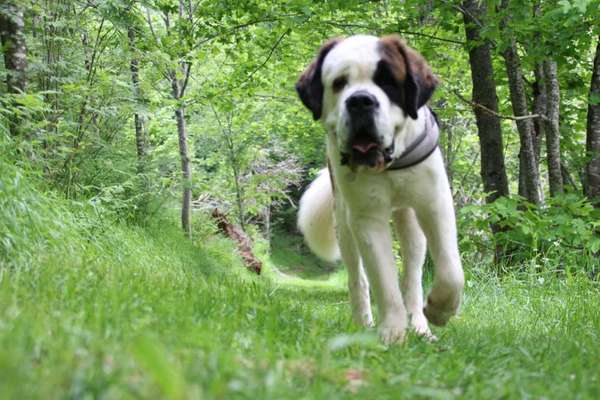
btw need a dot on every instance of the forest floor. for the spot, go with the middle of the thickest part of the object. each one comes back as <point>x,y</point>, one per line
<point>140,313</point>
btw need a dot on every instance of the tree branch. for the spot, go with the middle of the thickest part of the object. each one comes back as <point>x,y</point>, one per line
<point>149,20</point>
<point>233,29</point>
<point>402,31</point>
<point>464,11</point>
<point>495,114</point>
<point>187,66</point>
<point>271,51</point>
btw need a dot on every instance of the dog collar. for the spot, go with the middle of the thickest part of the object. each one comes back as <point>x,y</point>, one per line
<point>421,147</point>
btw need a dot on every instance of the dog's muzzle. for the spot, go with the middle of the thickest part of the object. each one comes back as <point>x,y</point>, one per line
<point>364,144</point>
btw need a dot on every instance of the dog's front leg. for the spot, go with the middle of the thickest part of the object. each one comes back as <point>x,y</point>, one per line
<point>413,247</point>
<point>358,286</point>
<point>438,222</point>
<point>374,240</point>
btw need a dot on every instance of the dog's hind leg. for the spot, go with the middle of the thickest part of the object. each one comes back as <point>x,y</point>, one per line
<point>358,285</point>
<point>413,247</point>
<point>437,219</point>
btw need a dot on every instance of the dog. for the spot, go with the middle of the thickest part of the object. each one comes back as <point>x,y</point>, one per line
<point>384,165</point>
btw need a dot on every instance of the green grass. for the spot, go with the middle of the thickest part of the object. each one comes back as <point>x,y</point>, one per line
<point>125,312</point>
<point>290,255</point>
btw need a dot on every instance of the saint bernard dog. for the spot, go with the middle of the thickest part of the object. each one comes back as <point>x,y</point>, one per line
<point>384,165</point>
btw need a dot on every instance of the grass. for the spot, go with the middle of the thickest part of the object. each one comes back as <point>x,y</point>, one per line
<point>290,255</point>
<point>127,312</point>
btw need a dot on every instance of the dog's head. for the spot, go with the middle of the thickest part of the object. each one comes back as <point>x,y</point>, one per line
<point>365,89</point>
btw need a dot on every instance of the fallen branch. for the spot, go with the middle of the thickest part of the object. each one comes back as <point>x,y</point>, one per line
<point>243,242</point>
<point>494,113</point>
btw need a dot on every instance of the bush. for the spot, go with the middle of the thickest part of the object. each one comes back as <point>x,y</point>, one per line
<point>561,234</point>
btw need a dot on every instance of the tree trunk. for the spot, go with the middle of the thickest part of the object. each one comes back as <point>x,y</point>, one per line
<point>186,202</point>
<point>178,90</point>
<point>522,189</point>
<point>539,108</point>
<point>235,172</point>
<point>449,157</point>
<point>592,145</point>
<point>493,172</point>
<point>528,163</point>
<point>12,38</point>
<point>15,49</point>
<point>552,128</point>
<point>139,123</point>
<point>567,178</point>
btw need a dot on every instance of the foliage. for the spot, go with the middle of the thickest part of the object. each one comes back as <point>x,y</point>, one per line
<point>561,235</point>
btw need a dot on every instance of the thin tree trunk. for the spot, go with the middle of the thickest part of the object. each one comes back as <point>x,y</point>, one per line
<point>267,223</point>
<point>539,108</point>
<point>539,90</point>
<point>567,178</point>
<point>552,128</point>
<point>449,157</point>
<point>139,123</point>
<point>186,201</point>
<point>178,90</point>
<point>13,42</point>
<point>236,180</point>
<point>529,176</point>
<point>528,163</point>
<point>493,172</point>
<point>592,145</point>
<point>522,189</point>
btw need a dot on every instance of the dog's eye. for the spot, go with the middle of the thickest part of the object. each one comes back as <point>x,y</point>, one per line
<point>339,83</point>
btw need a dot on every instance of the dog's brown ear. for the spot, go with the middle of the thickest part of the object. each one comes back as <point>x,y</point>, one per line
<point>310,86</point>
<point>409,69</point>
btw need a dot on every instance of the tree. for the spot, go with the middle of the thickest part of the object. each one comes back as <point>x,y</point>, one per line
<point>177,46</point>
<point>592,169</point>
<point>14,47</point>
<point>233,154</point>
<point>493,171</point>
<point>528,168</point>
<point>552,127</point>
<point>139,120</point>
<point>538,108</point>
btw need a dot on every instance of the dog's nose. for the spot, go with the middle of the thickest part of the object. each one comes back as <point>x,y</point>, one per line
<point>361,101</point>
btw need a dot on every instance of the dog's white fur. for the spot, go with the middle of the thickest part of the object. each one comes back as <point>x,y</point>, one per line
<point>316,205</point>
<point>417,199</point>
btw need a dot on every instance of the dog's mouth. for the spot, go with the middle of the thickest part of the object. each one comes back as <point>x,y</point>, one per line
<point>365,151</point>
<point>363,147</point>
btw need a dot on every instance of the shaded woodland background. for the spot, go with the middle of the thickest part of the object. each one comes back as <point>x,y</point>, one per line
<point>135,108</point>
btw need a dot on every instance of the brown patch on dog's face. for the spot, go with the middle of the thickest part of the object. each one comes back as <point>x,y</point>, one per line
<point>310,86</point>
<point>404,75</point>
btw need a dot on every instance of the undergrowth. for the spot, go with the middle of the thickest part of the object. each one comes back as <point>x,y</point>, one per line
<point>91,307</point>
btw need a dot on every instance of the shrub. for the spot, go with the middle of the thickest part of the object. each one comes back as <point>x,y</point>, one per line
<point>562,234</point>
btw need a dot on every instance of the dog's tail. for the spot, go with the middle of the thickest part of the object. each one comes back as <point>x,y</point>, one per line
<point>316,218</point>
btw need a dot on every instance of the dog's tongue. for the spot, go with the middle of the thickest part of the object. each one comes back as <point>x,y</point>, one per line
<point>363,147</point>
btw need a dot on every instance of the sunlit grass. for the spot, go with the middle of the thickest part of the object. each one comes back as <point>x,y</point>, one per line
<point>143,313</point>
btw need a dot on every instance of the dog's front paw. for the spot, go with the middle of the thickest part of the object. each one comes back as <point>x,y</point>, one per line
<point>438,312</point>
<point>392,331</point>
<point>444,300</point>
<point>363,318</point>
<point>421,327</point>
